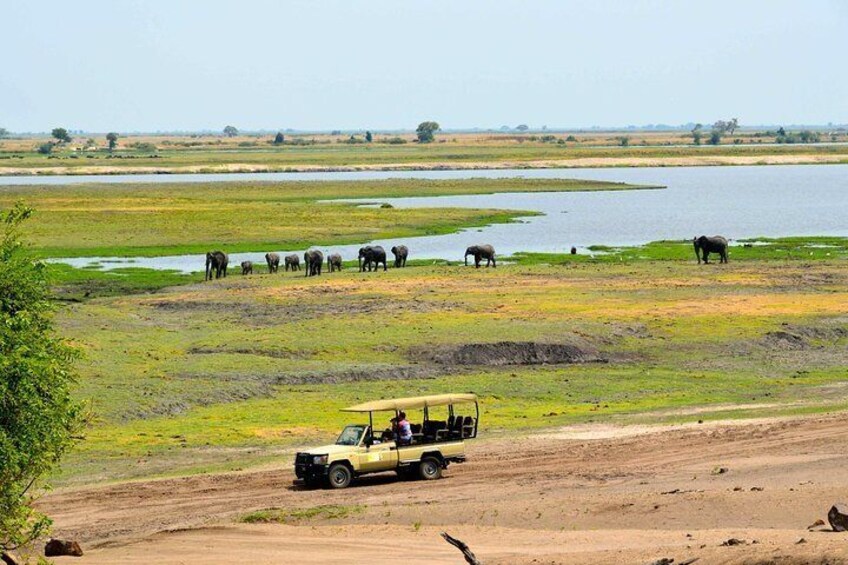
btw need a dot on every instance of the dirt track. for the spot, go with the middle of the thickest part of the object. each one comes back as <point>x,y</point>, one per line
<point>632,496</point>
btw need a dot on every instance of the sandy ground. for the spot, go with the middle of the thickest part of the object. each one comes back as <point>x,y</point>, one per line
<point>593,494</point>
<point>587,162</point>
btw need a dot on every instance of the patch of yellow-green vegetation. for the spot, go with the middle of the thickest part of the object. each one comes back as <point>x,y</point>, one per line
<point>240,372</point>
<point>167,219</point>
<point>294,515</point>
<point>330,156</point>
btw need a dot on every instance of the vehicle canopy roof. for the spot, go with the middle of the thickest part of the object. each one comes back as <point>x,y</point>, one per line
<point>413,402</point>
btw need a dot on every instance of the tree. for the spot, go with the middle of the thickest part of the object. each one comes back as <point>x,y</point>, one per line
<point>715,137</point>
<point>425,131</point>
<point>279,139</point>
<point>112,138</point>
<point>732,125</point>
<point>4,133</point>
<point>781,132</point>
<point>522,127</point>
<point>697,133</point>
<point>368,137</point>
<point>39,420</point>
<point>45,148</point>
<point>231,131</point>
<point>62,135</point>
<point>623,140</point>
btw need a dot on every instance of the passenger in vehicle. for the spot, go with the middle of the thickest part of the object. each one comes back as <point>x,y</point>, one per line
<point>404,429</point>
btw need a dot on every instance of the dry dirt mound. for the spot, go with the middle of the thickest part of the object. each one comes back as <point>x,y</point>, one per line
<point>795,337</point>
<point>508,353</point>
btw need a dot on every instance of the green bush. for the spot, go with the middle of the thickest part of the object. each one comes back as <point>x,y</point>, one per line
<point>38,417</point>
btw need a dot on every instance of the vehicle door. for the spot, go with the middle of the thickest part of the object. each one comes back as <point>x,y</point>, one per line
<point>378,457</point>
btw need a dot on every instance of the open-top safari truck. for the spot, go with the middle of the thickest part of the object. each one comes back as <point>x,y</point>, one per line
<point>360,449</point>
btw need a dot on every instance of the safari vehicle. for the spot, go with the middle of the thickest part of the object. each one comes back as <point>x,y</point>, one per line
<point>360,449</point>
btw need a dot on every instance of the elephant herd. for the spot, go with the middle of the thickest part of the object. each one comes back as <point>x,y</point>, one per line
<point>370,258</point>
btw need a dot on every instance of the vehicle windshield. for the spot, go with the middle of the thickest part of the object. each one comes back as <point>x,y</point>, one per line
<point>351,435</point>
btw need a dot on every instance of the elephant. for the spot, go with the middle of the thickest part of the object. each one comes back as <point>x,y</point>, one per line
<point>273,260</point>
<point>334,262</point>
<point>369,255</point>
<point>313,260</point>
<point>401,252</point>
<point>247,267</point>
<point>293,261</point>
<point>705,245</point>
<point>479,252</point>
<point>216,261</point>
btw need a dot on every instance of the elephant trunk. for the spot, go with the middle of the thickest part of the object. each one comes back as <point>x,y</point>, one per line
<point>466,259</point>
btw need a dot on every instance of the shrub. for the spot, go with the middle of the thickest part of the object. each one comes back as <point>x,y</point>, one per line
<point>143,146</point>
<point>45,148</point>
<point>39,419</point>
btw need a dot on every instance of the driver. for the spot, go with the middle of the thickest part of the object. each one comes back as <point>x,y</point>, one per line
<point>404,430</point>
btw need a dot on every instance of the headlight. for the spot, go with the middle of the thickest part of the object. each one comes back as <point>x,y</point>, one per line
<point>319,460</point>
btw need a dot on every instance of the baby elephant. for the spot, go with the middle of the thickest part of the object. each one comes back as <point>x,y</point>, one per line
<point>293,261</point>
<point>401,252</point>
<point>247,267</point>
<point>334,262</point>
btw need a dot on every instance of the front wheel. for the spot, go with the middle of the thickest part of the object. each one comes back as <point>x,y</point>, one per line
<point>430,469</point>
<point>339,476</point>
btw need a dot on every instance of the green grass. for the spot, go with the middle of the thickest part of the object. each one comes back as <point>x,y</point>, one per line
<point>171,219</point>
<point>237,373</point>
<point>74,284</point>
<point>756,249</point>
<point>293,515</point>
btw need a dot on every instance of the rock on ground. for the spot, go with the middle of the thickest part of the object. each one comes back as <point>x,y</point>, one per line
<point>838,517</point>
<point>57,547</point>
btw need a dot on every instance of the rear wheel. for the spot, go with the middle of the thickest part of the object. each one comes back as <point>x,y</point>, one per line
<point>430,469</point>
<point>339,476</point>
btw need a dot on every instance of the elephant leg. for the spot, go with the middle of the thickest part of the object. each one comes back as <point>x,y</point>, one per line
<point>385,267</point>
<point>494,263</point>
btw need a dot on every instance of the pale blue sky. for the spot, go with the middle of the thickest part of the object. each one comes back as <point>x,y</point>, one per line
<point>201,64</point>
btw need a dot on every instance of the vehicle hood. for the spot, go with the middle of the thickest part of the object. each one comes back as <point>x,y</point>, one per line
<point>329,449</point>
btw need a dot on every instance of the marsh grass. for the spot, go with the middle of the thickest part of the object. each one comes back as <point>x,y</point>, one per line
<point>239,372</point>
<point>294,515</point>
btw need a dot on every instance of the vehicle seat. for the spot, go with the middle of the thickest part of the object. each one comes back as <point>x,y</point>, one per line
<point>456,428</point>
<point>468,427</point>
<point>417,436</point>
<point>441,431</point>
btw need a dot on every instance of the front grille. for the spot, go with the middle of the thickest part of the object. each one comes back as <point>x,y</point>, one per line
<point>301,459</point>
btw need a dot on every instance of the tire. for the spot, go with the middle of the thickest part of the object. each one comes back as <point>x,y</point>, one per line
<point>339,476</point>
<point>430,469</point>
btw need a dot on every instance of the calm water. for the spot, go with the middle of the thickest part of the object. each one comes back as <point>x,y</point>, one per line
<point>737,202</point>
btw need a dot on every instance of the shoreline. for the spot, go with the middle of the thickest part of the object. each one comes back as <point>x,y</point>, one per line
<point>576,163</point>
